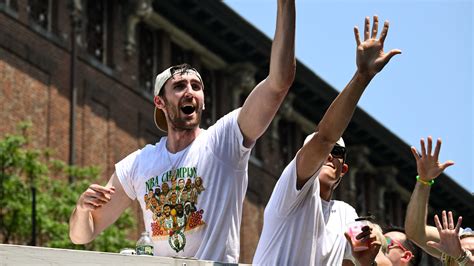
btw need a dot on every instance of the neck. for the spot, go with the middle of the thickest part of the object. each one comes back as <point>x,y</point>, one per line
<point>325,191</point>
<point>179,140</point>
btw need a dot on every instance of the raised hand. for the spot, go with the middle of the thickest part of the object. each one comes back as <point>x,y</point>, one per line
<point>449,241</point>
<point>427,163</point>
<point>94,197</point>
<point>371,58</point>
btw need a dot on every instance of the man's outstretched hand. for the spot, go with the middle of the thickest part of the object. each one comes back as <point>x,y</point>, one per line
<point>427,163</point>
<point>371,58</point>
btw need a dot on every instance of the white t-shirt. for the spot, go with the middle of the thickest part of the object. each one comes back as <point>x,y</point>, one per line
<point>301,229</point>
<point>192,200</point>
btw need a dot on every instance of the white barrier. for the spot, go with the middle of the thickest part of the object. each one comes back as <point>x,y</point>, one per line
<point>27,255</point>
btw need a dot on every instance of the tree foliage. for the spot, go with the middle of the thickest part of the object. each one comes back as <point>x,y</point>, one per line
<point>24,169</point>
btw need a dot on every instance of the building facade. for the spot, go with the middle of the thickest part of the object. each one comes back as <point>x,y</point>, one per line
<point>82,71</point>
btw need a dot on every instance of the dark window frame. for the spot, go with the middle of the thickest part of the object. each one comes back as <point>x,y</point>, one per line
<point>98,30</point>
<point>9,6</point>
<point>149,60</point>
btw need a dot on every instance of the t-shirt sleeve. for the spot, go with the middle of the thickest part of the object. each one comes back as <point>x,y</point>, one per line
<point>125,171</point>
<point>286,197</point>
<point>351,215</point>
<point>226,140</point>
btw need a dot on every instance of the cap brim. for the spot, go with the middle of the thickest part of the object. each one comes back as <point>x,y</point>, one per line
<point>160,120</point>
<point>340,141</point>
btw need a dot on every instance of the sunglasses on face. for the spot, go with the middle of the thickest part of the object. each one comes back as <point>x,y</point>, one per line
<point>338,152</point>
<point>393,243</point>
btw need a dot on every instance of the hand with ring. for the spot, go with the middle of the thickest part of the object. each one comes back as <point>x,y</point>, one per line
<point>449,243</point>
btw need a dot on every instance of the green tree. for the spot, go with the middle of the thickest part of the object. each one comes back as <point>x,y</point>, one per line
<point>24,169</point>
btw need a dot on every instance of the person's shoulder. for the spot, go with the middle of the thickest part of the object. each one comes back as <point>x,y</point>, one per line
<point>230,115</point>
<point>342,205</point>
<point>228,119</point>
<point>151,148</point>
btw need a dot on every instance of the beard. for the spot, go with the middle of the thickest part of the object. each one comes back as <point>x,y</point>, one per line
<point>180,123</point>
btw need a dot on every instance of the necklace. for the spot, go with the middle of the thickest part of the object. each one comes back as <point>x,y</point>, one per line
<point>173,166</point>
<point>178,159</point>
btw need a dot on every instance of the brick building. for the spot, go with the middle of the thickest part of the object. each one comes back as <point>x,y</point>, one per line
<point>83,72</point>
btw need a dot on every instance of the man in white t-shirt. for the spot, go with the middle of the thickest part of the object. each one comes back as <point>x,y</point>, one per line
<point>213,160</point>
<point>302,225</point>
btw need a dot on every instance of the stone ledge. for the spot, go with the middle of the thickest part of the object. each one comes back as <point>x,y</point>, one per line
<point>27,255</point>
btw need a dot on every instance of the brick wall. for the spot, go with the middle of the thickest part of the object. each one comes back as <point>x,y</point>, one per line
<point>34,85</point>
<point>113,118</point>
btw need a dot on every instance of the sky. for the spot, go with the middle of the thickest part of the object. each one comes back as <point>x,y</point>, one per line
<point>425,91</point>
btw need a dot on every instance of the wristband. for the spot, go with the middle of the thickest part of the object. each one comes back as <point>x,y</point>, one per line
<point>464,257</point>
<point>426,183</point>
<point>446,259</point>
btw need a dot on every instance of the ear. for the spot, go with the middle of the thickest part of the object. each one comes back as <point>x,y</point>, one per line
<point>344,170</point>
<point>159,102</point>
<point>406,257</point>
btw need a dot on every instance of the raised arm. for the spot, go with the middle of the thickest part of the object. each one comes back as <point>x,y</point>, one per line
<point>97,208</point>
<point>370,59</point>
<point>263,102</point>
<point>429,168</point>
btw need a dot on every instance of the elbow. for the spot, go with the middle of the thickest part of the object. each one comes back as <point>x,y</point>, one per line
<point>75,240</point>
<point>284,79</point>
<point>414,236</point>
<point>413,233</point>
<point>409,229</point>
<point>325,138</point>
<point>410,233</point>
<point>78,239</point>
<point>288,77</point>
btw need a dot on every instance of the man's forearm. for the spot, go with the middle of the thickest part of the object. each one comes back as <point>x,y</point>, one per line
<point>416,227</point>
<point>282,61</point>
<point>255,117</point>
<point>417,212</point>
<point>331,127</point>
<point>81,227</point>
<point>340,112</point>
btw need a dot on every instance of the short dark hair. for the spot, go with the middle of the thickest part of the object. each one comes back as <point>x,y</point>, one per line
<point>178,69</point>
<point>181,69</point>
<point>414,249</point>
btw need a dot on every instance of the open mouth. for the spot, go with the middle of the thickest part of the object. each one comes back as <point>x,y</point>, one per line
<point>330,165</point>
<point>188,109</point>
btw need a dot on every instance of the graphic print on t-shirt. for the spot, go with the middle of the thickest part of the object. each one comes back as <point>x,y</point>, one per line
<point>173,200</point>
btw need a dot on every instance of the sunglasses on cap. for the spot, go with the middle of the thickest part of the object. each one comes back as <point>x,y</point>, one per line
<point>393,243</point>
<point>338,152</point>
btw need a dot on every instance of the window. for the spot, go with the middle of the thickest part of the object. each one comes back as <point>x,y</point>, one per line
<point>98,30</point>
<point>40,13</point>
<point>148,47</point>
<point>9,5</point>
<point>209,115</point>
<point>179,55</point>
